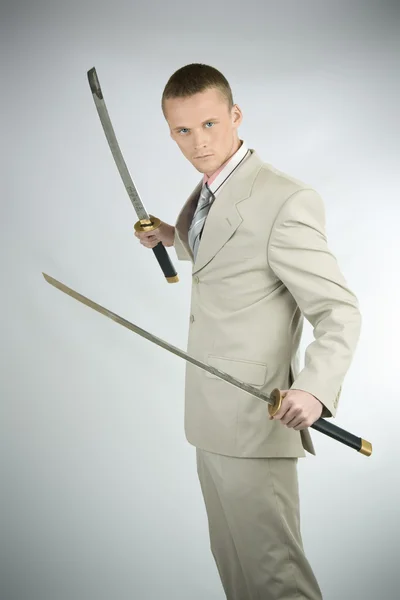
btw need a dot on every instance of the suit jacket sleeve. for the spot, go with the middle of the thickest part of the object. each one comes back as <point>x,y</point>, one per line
<point>299,255</point>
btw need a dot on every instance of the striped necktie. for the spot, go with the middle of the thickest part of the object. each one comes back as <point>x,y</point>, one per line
<point>199,217</point>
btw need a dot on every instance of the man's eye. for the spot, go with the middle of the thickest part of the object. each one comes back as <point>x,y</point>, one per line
<point>210,123</point>
<point>184,129</point>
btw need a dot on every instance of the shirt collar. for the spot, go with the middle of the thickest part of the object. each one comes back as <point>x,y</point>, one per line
<point>215,181</point>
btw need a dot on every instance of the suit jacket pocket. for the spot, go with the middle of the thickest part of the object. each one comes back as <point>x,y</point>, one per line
<point>253,373</point>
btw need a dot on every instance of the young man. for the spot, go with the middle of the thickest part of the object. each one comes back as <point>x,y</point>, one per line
<point>256,238</point>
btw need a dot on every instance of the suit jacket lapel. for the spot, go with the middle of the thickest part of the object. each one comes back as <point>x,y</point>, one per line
<point>223,218</point>
<point>185,218</point>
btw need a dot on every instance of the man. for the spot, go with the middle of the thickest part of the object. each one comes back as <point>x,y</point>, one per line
<point>256,238</point>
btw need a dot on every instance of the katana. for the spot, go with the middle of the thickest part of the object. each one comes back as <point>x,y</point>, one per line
<point>274,400</point>
<point>146,221</point>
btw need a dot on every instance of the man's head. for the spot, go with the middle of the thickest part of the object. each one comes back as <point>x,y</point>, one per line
<point>198,106</point>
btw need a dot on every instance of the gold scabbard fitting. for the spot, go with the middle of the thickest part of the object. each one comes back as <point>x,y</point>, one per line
<point>366,448</point>
<point>173,279</point>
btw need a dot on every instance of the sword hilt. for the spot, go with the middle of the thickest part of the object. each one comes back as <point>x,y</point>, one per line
<point>323,426</point>
<point>160,252</point>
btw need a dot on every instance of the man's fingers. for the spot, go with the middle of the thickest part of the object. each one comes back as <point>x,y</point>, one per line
<point>147,238</point>
<point>292,413</point>
<point>295,422</point>
<point>288,413</point>
<point>145,235</point>
<point>299,409</point>
<point>283,409</point>
<point>150,244</point>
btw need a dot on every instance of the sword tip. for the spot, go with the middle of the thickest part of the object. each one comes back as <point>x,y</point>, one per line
<point>48,278</point>
<point>94,82</point>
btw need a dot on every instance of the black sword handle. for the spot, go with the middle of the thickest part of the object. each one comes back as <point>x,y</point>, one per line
<point>165,263</point>
<point>327,428</point>
<point>159,251</point>
<point>343,436</point>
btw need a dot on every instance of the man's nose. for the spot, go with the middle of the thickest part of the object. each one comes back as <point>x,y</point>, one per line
<point>200,140</point>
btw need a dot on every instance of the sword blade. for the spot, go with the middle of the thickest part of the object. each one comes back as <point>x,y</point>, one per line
<point>114,146</point>
<point>152,338</point>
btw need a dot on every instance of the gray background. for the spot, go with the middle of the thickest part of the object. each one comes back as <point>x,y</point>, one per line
<point>96,502</point>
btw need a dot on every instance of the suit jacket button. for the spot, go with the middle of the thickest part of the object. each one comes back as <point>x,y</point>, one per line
<point>191,318</point>
<point>196,279</point>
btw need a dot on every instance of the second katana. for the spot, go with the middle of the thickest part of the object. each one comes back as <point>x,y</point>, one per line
<point>274,400</point>
<point>146,221</point>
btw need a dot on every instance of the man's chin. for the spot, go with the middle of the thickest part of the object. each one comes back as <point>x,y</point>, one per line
<point>204,166</point>
<point>199,168</point>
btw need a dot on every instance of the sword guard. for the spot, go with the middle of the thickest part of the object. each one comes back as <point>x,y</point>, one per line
<point>148,225</point>
<point>277,397</point>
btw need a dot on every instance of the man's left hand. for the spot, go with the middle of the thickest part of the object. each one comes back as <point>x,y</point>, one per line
<point>299,409</point>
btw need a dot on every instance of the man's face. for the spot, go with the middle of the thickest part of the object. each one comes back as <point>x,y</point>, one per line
<point>204,128</point>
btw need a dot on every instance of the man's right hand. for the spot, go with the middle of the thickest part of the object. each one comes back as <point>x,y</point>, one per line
<point>164,233</point>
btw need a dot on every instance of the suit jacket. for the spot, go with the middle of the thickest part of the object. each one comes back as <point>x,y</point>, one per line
<point>263,264</point>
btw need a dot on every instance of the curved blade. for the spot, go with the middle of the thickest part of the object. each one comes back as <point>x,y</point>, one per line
<point>152,338</point>
<point>114,146</point>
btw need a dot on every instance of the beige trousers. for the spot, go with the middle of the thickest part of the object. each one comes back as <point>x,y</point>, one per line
<point>252,507</point>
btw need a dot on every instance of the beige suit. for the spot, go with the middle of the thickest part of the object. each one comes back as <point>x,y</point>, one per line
<point>263,262</point>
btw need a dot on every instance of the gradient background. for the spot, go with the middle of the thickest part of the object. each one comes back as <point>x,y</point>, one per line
<point>97,502</point>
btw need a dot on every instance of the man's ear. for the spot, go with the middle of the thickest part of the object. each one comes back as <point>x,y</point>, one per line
<point>237,116</point>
